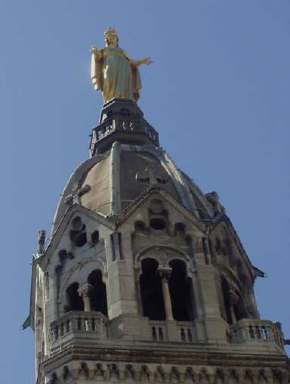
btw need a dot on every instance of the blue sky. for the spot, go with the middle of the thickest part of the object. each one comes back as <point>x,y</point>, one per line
<point>218,93</point>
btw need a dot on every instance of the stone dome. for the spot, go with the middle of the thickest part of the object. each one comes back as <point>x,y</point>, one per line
<point>109,182</point>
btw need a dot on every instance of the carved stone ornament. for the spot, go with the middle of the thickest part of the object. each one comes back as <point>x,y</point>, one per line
<point>151,176</point>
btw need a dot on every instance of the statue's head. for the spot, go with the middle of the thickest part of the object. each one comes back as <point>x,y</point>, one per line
<point>111,38</point>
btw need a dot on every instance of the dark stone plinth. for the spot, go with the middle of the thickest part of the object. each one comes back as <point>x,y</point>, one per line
<point>123,121</point>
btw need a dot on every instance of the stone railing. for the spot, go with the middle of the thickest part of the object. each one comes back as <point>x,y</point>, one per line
<point>185,331</point>
<point>159,330</point>
<point>177,331</point>
<point>256,331</point>
<point>91,325</point>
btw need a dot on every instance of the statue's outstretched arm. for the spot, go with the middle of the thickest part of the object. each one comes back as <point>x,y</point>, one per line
<point>137,63</point>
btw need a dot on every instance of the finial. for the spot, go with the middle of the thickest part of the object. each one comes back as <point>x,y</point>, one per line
<point>41,234</point>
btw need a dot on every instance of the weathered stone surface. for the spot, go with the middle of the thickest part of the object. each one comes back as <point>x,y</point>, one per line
<point>145,278</point>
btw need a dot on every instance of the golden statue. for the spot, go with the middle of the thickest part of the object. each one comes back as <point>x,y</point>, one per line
<point>113,72</point>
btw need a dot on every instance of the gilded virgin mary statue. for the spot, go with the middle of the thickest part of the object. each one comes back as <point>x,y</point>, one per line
<point>113,72</point>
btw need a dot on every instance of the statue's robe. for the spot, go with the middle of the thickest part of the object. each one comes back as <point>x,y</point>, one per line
<point>115,74</point>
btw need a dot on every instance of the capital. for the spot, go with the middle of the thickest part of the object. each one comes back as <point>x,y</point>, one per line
<point>85,289</point>
<point>164,272</point>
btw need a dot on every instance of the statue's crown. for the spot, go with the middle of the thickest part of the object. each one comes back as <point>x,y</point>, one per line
<point>110,31</point>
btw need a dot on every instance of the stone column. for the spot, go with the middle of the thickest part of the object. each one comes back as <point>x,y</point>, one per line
<point>84,291</point>
<point>165,273</point>
<point>233,300</point>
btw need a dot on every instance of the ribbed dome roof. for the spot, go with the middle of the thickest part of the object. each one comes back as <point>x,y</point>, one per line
<point>110,182</point>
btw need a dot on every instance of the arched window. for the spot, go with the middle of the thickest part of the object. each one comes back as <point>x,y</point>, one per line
<point>181,292</point>
<point>180,229</point>
<point>151,291</point>
<point>234,305</point>
<point>74,301</point>
<point>98,295</point>
<point>78,233</point>
<point>95,237</point>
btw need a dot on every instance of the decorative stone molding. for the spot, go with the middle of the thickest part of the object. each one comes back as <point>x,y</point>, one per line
<point>151,177</point>
<point>77,193</point>
<point>163,374</point>
<point>163,255</point>
<point>121,120</point>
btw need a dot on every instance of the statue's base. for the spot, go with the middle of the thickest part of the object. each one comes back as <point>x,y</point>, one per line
<point>121,120</point>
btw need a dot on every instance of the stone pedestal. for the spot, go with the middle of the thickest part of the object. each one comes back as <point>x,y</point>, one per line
<point>122,121</point>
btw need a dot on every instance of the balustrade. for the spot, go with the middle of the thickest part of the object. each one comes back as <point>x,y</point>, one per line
<point>75,323</point>
<point>256,331</point>
<point>185,331</point>
<point>175,331</point>
<point>159,330</point>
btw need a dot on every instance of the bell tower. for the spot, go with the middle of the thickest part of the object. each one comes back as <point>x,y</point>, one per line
<point>144,278</point>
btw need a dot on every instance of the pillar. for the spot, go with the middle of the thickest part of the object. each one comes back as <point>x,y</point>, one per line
<point>165,275</point>
<point>84,292</point>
